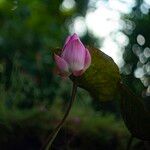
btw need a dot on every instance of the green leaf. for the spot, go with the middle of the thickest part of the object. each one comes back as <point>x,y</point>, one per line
<point>101,78</point>
<point>135,114</point>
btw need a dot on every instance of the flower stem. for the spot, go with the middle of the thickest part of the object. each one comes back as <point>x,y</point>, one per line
<point>53,135</point>
<point>129,143</point>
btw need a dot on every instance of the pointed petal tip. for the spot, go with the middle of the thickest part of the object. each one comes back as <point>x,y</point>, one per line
<point>70,38</point>
<point>74,36</point>
<point>67,39</point>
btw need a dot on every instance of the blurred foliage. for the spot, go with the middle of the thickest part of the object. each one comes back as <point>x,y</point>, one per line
<point>137,53</point>
<point>84,128</point>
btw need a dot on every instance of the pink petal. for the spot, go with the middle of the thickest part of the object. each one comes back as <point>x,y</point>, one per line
<point>78,73</point>
<point>74,54</point>
<point>74,37</point>
<point>87,59</point>
<point>67,40</point>
<point>61,64</point>
<point>87,63</point>
<point>70,38</point>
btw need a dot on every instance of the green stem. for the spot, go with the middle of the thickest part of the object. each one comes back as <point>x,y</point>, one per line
<point>53,135</point>
<point>129,143</point>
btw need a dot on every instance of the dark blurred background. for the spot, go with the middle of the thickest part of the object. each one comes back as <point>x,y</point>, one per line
<point>33,98</point>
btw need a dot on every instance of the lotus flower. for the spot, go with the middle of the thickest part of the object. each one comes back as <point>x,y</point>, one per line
<point>74,58</point>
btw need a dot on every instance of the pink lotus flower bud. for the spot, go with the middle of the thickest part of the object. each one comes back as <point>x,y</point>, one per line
<point>74,58</point>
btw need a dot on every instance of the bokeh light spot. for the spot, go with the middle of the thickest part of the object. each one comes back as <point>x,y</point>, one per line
<point>78,26</point>
<point>140,40</point>
<point>67,5</point>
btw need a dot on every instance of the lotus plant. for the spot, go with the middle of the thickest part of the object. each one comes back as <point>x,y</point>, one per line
<point>74,59</point>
